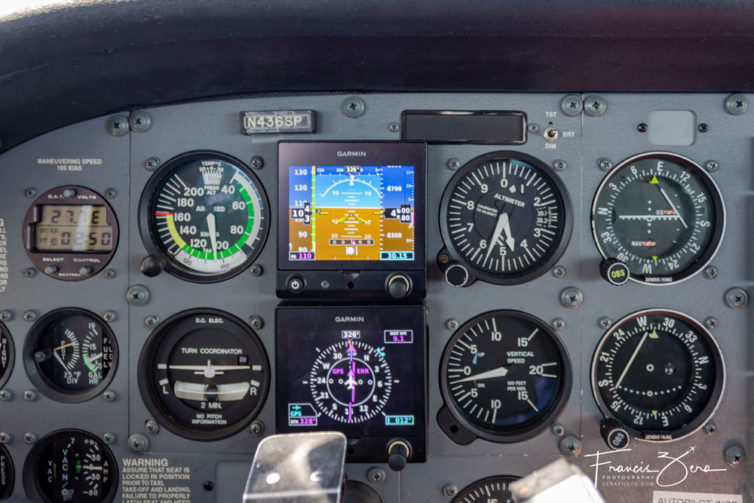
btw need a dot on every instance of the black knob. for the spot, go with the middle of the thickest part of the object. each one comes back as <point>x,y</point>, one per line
<point>614,271</point>
<point>457,275</point>
<point>295,284</point>
<point>615,436</point>
<point>399,452</point>
<point>398,286</point>
<point>151,266</point>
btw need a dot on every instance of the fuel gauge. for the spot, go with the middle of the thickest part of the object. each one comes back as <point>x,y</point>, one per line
<point>70,355</point>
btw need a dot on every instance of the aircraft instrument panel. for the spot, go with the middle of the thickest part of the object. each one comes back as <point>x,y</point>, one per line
<point>468,286</point>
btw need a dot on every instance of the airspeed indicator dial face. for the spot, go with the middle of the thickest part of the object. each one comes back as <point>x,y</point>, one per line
<point>506,217</point>
<point>659,373</point>
<point>206,214</point>
<point>661,214</point>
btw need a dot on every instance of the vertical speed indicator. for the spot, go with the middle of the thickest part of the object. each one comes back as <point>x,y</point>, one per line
<point>206,215</point>
<point>505,219</point>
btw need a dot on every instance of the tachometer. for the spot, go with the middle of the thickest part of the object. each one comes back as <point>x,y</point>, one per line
<point>206,214</point>
<point>661,215</point>
<point>504,375</point>
<point>204,374</point>
<point>659,373</point>
<point>492,489</point>
<point>72,465</point>
<point>71,355</point>
<point>505,219</point>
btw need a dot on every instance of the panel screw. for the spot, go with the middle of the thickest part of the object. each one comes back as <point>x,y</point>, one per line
<point>152,426</point>
<point>570,446</point>
<point>30,315</point>
<point>111,193</point>
<point>256,322</point>
<point>5,437</point>
<point>642,128</point>
<point>452,324</point>
<point>152,163</point>
<point>109,316</point>
<point>256,428</point>
<point>571,105</point>
<point>109,438</point>
<point>30,192</point>
<point>208,485</point>
<point>256,270</point>
<point>140,122</point>
<point>449,490</point>
<point>69,193</point>
<point>604,323</point>
<point>137,295</point>
<point>595,105</point>
<point>117,125</point>
<point>257,162</point>
<point>558,430</point>
<point>109,273</point>
<point>736,104</point>
<point>30,395</point>
<point>571,297</point>
<point>108,396</point>
<point>393,127</point>
<point>443,258</point>
<point>710,272</point>
<point>710,428</point>
<point>560,165</point>
<point>558,324</point>
<point>605,164</point>
<point>353,107</point>
<point>711,322</point>
<point>453,164</point>
<point>559,271</point>
<point>138,442</point>
<point>712,166</point>
<point>734,455</point>
<point>151,321</point>
<point>30,437</point>
<point>5,395</point>
<point>376,474</point>
<point>6,315</point>
<point>533,128</point>
<point>702,128</point>
<point>30,272</point>
<point>736,297</point>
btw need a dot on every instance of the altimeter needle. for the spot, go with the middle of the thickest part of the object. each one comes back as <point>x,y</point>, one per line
<point>490,374</point>
<point>503,225</point>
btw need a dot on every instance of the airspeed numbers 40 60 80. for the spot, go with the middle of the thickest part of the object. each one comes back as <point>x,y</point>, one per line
<point>206,214</point>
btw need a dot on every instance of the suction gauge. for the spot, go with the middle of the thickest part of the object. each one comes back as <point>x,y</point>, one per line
<point>206,215</point>
<point>661,215</point>
<point>72,465</point>
<point>505,219</point>
<point>204,374</point>
<point>504,375</point>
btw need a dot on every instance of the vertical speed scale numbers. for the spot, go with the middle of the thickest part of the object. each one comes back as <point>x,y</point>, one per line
<point>205,215</point>
<point>505,218</point>
<point>505,376</point>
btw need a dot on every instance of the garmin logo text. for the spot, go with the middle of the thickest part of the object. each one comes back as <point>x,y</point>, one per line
<point>349,319</point>
<point>352,153</point>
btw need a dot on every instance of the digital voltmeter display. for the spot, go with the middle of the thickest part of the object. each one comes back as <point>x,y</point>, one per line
<point>69,228</point>
<point>351,212</point>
